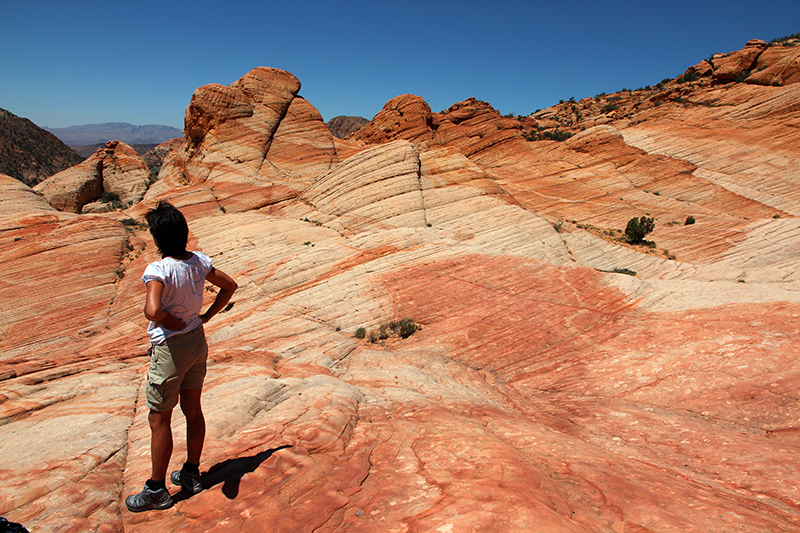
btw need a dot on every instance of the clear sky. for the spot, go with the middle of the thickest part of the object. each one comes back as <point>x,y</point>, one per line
<point>65,63</point>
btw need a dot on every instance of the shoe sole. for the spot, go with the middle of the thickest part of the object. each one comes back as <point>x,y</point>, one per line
<point>175,478</point>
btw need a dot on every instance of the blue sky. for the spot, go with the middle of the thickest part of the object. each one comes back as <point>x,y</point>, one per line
<point>81,62</point>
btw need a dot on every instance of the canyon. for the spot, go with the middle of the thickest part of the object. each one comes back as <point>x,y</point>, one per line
<point>560,380</point>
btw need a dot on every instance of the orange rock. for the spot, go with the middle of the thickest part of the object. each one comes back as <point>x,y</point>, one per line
<point>778,65</point>
<point>116,168</point>
<point>562,380</point>
<point>728,67</point>
<point>406,117</point>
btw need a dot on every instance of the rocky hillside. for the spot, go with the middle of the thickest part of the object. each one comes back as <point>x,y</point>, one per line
<point>551,375</point>
<point>29,153</point>
<point>342,126</point>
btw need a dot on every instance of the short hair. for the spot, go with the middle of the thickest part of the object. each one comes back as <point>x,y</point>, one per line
<point>168,228</point>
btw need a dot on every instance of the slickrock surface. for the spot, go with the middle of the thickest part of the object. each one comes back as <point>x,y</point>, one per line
<point>561,380</point>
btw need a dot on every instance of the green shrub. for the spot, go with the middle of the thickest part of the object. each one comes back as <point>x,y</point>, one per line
<point>403,329</point>
<point>108,197</point>
<point>557,135</point>
<point>407,327</point>
<point>782,40</point>
<point>689,220</point>
<point>626,271</point>
<point>550,135</point>
<point>637,228</point>
<point>608,108</point>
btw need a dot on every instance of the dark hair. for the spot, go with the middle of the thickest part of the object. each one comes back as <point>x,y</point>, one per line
<point>168,228</point>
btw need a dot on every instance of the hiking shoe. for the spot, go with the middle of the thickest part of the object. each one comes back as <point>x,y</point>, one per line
<point>149,499</point>
<point>187,481</point>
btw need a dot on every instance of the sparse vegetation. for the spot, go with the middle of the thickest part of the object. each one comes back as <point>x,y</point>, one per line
<point>638,228</point>
<point>401,328</point>
<point>785,40</point>
<point>689,76</point>
<point>108,197</point>
<point>626,271</point>
<point>548,135</point>
<point>609,108</point>
<point>689,221</point>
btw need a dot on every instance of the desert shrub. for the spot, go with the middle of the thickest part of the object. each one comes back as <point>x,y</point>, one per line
<point>608,108</point>
<point>637,228</point>
<point>743,76</point>
<point>557,135</point>
<point>551,135</point>
<point>402,328</point>
<point>109,197</point>
<point>407,327</point>
<point>782,40</point>
<point>689,221</point>
<point>626,271</point>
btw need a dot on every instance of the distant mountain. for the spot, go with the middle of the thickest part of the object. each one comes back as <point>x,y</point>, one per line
<point>342,126</point>
<point>91,134</point>
<point>29,153</point>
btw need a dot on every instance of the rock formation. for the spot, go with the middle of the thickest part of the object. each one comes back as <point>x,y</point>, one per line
<point>342,126</point>
<point>115,169</point>
<point>561,380</point>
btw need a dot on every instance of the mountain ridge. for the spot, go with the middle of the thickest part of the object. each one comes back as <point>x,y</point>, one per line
<point>94,134</point>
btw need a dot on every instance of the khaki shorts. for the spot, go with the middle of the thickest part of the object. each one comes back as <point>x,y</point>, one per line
<point>178,363</point>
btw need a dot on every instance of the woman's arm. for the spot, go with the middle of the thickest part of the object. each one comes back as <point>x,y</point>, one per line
<point>227,287</point>
<point>153,310</point>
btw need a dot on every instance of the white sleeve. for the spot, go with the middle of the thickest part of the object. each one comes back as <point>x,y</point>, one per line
<point>153,272</point>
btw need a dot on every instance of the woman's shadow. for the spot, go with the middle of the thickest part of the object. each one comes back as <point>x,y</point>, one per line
<point>229,473</point>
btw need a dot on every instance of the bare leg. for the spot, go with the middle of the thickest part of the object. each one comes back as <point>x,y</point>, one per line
<point>195,424</point>
<point>160,443</point>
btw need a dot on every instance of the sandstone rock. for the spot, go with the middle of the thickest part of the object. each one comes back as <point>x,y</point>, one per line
<point>116,168</point>
<point>229,131</point>
<point>71,189</point>
<point>543,390</point>
<point>778,65</point>
<point>406,117</point>
<point>729,67</point>
<point>702,69</point>
<point>302,148</point>
<point>18,200</point>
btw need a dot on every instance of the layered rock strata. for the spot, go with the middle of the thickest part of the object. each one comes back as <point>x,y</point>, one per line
<point>562,380</point>
<point>115,169</point>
